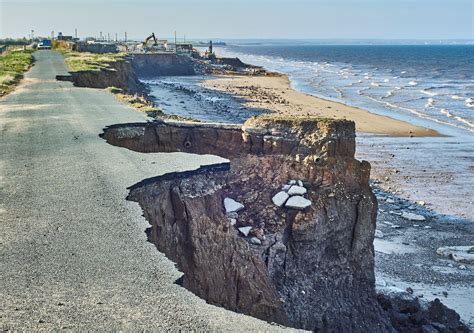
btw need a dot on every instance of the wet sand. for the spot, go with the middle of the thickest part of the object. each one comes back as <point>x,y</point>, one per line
<point>275,93</point>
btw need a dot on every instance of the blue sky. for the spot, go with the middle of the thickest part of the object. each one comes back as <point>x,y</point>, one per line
<point>318,19</point>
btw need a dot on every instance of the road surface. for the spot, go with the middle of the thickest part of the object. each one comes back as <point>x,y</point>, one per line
<point>73,251</point>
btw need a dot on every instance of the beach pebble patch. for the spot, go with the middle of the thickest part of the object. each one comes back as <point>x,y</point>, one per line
<point>413,216</point>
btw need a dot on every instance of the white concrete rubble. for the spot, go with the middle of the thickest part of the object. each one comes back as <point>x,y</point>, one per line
<point>297,190</point>
<point>298,202</point>
<point>280,198</point>
<point>245,230</point>
<point>232,206</point>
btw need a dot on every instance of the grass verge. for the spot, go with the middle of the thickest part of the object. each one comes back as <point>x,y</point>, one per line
<point>12,66</point>
<point>85,61</point>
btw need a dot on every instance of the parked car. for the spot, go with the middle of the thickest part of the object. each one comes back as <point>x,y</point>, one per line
<point>44,45</point>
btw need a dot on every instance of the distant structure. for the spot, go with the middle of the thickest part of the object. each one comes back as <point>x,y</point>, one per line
<point>65,38</point>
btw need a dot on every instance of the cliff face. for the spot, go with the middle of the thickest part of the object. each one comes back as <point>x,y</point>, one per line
<point>152,65</point>
<point>309,268</point>
<point>120,75</point>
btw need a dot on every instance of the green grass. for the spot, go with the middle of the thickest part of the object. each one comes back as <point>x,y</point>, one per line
<point>12,66</point>
<point>84,61</point>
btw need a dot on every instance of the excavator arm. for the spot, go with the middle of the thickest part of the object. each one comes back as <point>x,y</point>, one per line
<point>152,36</point>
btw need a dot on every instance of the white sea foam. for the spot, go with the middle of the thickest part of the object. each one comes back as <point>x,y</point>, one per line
<point>430,103</point>
<point>470,105</point>
<point>413,83</point>
<point>446,112</point>
<point>374,84</point>
<point>456,97</point>
<point>469,100</point>
<point>386,80</point>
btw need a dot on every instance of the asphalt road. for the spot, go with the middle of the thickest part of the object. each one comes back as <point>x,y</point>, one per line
<point>73,252</point>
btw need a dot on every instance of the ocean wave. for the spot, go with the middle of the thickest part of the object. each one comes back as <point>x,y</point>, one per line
<point>456,97</point>
<point>425,116</point>
<point>469,100</point>
<point>413,83</point>
<point>426,92</point>
<point>470,105</point>
<point>374,84</point>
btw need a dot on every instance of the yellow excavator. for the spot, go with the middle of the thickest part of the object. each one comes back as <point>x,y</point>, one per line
<point>152,36</point>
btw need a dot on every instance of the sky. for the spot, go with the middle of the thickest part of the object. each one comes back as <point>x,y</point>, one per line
<point>275,19</point>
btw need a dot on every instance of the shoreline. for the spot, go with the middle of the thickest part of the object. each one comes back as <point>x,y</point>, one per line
<point>275,94</point>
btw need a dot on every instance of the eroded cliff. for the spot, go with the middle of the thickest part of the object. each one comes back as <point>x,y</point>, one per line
<point>307,266</point>
<point>313,268</point>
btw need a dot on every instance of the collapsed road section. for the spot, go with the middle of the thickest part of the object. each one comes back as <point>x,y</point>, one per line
<point>283,232</point>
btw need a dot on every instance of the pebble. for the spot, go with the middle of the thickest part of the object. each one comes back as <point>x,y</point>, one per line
<point>300,183</point>
<point>285,187</point>
<point>297,190</point>
<point>232,215</point>
<point>245,230</point>
<point>232,221</point>
<point>232,206</point>
<point>390,200</point>
<point>256,241</point>
<point>280,198</point>
<point>298,202</point>
<point>379,234</point>
<point>413,217</point>
<point>421,203</point>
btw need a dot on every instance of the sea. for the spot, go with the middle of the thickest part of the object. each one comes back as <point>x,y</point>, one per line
<point>427,81</point>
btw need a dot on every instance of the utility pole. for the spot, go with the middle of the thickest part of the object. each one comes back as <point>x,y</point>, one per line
<point>116,38</point>
<point>175,43</point>
<point>52,35</point>
<point>125,36</point>
<point>75,33</point>
<point>108,36</point>
<point>184,38</point>
<point>100,36</point>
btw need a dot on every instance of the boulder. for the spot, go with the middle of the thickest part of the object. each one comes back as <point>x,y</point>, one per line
<point>280,198</point>
<point>298,202</point>
<point>256,241</point>
<point>297,190</point>
<point>464,254</point>
<point>232,206</point>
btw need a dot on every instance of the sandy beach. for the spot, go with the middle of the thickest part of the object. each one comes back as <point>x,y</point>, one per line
<point>409,175</point>
<point>275,94</point>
